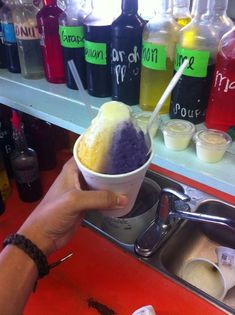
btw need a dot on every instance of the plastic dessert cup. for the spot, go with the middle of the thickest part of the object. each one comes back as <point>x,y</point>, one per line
<point>142,119</point>
<point>127,183</point>
<point>211,144</point>
<point>177,134</point>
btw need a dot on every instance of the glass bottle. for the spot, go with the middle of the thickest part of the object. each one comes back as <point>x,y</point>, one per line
<point>2,205</point>
<point>5,187</point>
<point>3,61</point>
<point>158,51</point>
<point>48,26</point>
<point>6,142</point>
<point>217,14</point>
<point>28,41</point>
<point>72,40</point>
<point>181,12</point>
<point>24,164</point>
<point>221,107</point>
<point>126,38</point>
<point>41,137</point>
<point>147,12</point>
<point>9,38</point>
<point>198,42</point>
<point>97,27</point>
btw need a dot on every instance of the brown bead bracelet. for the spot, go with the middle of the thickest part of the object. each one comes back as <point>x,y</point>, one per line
<point>31,250</point>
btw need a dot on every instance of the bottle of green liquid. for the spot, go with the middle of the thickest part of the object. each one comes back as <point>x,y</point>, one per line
<point>198,42</point>
<point>158,50</point>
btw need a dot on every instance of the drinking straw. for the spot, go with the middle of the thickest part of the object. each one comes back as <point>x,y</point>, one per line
<point>81,88</point>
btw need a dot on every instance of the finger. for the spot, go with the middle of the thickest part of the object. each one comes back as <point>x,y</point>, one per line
<point>91,200</point>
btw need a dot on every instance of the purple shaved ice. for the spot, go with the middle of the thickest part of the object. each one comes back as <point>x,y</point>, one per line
<point>128,150</point>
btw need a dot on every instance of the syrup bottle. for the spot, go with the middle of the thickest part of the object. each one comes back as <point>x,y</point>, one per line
<point>72,40</point>
<point>9,38</point>
<point>3,61</point>
<point>198,42</point>
<point>28,41</point>
<point>126,53</point>
<point>221,107</point>
<point>97,27</point>
<point>217,15</point>
<point>159,40</point>
<point>181,12</point>
<point>24,164</point>
<point>48,27</point>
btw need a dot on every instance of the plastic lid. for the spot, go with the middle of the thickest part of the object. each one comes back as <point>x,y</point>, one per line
<point>213,138</point>
<point>178,127</point>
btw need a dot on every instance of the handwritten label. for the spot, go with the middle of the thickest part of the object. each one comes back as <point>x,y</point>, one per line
<point>188,113</point>
<point>96,53</point>
<point>71,36</point>
<point>198,61</point>
<point>26,31</point>
<point>223,83</point>
<point>8,32</point>
<point>124,62</point>
<point>153,56</point>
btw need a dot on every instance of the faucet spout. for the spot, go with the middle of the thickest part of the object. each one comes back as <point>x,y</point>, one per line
<point>201,217</point>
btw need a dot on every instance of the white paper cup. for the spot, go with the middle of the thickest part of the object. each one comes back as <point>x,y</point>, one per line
<point>127,184</point>
<point>208,276</point>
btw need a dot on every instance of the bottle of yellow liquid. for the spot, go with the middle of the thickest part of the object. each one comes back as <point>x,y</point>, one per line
<point>158,50</point>
<point>181,12</point>
<point>5,187</point>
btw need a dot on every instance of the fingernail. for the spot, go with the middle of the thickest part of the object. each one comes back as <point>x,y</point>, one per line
<point>122,201</point>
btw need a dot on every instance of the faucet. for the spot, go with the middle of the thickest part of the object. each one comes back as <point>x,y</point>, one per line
<point>172,207</point>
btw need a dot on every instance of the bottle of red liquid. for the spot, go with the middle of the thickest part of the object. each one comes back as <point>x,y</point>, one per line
<point>48,27</point>
<point>221,107</point>
<point>24,164</point>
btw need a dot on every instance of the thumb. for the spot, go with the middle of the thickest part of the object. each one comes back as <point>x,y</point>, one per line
<point>91,200</point>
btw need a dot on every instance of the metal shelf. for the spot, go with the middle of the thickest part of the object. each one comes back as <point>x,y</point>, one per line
<point>63,107</point>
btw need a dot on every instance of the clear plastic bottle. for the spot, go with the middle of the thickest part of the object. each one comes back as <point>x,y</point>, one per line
<point>198,42</point>
<point>97,26</point>
<point>147,12</point>
<point>9,38</point>
<point>181,12</point>
<point>48,26</point>
<point>126,53</point>
<point>217,14</point>
<point>158,51</point>
<point>28,41</point>
<point>24,164</point>
<point>221,107</point>
<point>72,39</point>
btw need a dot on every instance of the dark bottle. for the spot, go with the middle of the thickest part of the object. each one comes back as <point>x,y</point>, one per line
<point>24,164</point>
<point>198,42</point>
<point>97,27</point>
<point>6,142</point>
<point>9,37</point>
<point>3,60</point>
<point>48,27</point>
<point>126,40</point>
<point>72,40</point>
<point>2,205</point>
<point>40,136</point>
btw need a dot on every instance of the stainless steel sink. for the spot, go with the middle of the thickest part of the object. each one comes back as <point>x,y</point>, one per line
<point>186,239</point>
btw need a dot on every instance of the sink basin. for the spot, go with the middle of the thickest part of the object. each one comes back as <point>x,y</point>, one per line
<point>187,240</point>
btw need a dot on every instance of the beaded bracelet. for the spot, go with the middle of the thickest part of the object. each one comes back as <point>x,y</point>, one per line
<point>31,250</point>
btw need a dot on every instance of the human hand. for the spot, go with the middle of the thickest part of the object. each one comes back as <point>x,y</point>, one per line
<point>56,218</point>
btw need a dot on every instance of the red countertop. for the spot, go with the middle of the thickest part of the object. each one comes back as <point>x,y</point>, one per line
<point>99,278</point>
